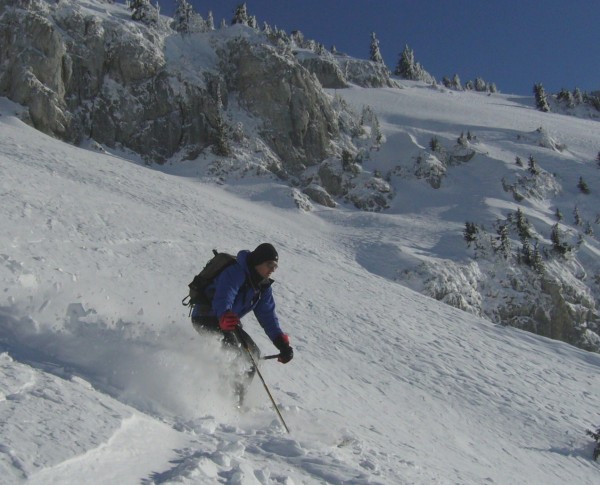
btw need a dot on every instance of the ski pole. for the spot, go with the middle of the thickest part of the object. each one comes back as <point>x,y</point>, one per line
<point>245,345</point>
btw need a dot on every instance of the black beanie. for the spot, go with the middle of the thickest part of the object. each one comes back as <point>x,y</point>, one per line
<point>263,252</point>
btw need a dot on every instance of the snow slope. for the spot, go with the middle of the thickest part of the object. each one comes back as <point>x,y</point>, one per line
<point>104,381</point>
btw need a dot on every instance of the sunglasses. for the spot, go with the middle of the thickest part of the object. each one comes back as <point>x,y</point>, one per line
<point>272,265</point>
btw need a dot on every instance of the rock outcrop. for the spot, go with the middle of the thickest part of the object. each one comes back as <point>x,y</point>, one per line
<point>84,75</point>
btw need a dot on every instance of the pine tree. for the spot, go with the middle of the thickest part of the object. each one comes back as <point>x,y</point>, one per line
<point>541,101</point>
<point>582,186</point>
<point>221,146</point>
<point>297,38</point>
<point>533,168</point>
<point>240,15</point>
<point>210,21</point>
<point>526,255</point>
<point>377,135</point>
<point>375,53</point>
<point>577,217</point>
<point>406,67</point>
<point>470,233</point>
<point>222,130</point>
<point>565,96</point>
<point>557,244</point>
<point>182,17</point>
<point>480,85</point>
<point>504,241</point>
<point>532,257</point>
<point>435,145</point>
<point>522,224</point>
<point>537,260</point>
<point>558,214</point>
<point>456,83</point>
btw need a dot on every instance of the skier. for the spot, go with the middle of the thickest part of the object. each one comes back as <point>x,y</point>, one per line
<point>238,289</point>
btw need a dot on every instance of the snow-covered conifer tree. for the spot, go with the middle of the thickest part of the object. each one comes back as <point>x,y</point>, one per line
<point>210,21</point>
<point>583,186</point>
<point>504,241</point>
<point>480,85</point>
<point>435,145</point>
<point>375,53</point>
<point>522,225</point>
<point>558,214</point>
<point>406,67</point>
<point>182,16</point>
<point>267,28</point>
<point>240,15</point>
<point>538,260</point>
<point>533,167</point>
<point>456,84</point>
<point>541,100</point>
<point>557,244</point>
<point>470,233</point>
<point>297,38</point>
<point>577,217</point>
<point>566,97</point>
<point>221,146</point>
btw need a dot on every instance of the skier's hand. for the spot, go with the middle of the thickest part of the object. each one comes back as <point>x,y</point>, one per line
<point>229,321</point>
<point>286,353</point>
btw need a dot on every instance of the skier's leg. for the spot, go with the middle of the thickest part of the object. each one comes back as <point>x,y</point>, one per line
<point>244,378</point>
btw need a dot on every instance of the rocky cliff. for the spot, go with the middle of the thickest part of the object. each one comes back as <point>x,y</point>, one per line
<point>87,70</point>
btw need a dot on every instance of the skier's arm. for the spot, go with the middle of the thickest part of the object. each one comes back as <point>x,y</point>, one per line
<point>266,315</point>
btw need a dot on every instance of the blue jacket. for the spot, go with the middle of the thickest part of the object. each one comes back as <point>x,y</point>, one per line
<point>233,290</point>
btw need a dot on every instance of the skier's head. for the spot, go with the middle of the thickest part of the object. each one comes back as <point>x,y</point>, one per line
<point>264,258</point>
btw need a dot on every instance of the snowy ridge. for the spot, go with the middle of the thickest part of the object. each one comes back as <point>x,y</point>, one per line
<point>438,161</point>
<point>102,374</point>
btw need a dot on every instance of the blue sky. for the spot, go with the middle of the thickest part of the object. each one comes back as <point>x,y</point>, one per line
<point>513,43</point>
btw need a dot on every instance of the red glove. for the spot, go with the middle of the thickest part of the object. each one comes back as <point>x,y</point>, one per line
<point>229,321</point>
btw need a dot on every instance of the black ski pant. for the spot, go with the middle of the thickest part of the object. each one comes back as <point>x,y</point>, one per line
<point>231,340</point>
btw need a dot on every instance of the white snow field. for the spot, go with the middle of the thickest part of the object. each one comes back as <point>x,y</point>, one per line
<point>104,381</point>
